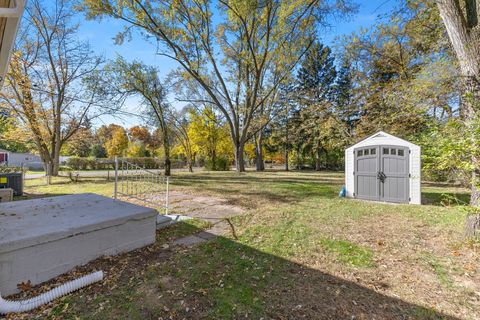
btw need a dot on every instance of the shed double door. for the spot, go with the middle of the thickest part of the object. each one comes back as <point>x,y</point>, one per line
<point>381,173</point>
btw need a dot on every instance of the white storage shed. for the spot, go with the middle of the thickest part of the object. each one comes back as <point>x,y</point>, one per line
<point>385,168</point>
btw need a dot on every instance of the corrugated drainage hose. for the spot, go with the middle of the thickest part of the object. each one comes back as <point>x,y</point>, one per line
<point>9,306</point>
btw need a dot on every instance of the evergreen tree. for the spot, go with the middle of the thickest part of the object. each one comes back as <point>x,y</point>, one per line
<point>98,151</point>
<point>346,109</point>
<point>316,91</point>
<point>317,74</point>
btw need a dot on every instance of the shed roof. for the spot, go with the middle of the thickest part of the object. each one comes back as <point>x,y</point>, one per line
<point>380,138</point>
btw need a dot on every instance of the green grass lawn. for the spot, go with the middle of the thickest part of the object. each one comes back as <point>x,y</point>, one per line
<point>63,185</point>
<point>35,172</point>
<point>301,252</point>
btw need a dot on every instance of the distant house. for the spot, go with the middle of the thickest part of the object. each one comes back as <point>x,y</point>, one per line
<point>16,159</point>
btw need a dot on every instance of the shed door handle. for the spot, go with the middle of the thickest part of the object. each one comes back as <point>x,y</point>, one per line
<point>381,176</point>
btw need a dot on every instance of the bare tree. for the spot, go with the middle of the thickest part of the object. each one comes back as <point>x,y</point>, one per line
<point>54,81</point>
<point>136,78</point>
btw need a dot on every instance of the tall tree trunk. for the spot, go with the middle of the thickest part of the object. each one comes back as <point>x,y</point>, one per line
<point>166,148</point>
<point>168,164</point>
<point>259,163</point>
<point>318,159</point>
<point>190,165</point>
<point>56,145</point>
<point>286,139</point>
<point>469,103</point>
<point>46,159</point>
<point>465,39</point>
<point>239,156</point>
<point>50,168</point>
<point>326,160</point>
<point>298,158</point>
<point>286,159</point>
<point>286,145</point>
<point>192,161</point>
<point>213,158</point>
<point>55,158</point>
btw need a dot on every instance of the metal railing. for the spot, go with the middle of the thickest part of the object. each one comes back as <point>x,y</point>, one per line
<point>133,181</point>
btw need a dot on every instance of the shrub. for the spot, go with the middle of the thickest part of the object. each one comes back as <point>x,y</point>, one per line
<point>4,169</point>
<point>78,163</point>
<point>92,163</point>
<point>104,164</point>
<point>146,163</point>
<point>74,162</point>
<point>221,164</point>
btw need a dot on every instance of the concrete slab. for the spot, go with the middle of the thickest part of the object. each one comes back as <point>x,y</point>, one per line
<point>43,238</point>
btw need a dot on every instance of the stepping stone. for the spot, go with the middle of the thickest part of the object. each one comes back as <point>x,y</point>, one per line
<point>207,235</point>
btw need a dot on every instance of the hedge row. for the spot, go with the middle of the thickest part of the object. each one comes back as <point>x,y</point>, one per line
<point>92,163</point>
<point>4,169</point>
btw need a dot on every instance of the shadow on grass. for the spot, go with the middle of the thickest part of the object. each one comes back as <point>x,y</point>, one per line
<point>271,189</point>
<point>224,279</point>
<point>256,178</point>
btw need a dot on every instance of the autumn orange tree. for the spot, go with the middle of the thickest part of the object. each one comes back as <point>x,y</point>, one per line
<point>140,133</point>
<point>140,141</point>
<point>237,52</point>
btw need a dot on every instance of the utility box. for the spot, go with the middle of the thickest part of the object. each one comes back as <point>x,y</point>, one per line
<point>6,195</point>
<point>12,180</point>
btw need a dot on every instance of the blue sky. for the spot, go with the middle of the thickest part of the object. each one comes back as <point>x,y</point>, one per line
<point>101,34</point>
